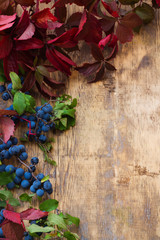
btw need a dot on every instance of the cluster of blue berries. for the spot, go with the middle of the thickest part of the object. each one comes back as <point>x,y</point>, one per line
<point>39,123</point>
<point>24,178</point>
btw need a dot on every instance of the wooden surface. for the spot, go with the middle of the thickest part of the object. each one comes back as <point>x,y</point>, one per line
<point>109,163</point>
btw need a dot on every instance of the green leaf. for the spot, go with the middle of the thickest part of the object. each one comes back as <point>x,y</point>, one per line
<point>48,205</point>
<point>69,112</point>
<point>128,2</point>
<point>30,103</point>
<point>34,228</point>
<point>48,236</point>
<point>6,193</point>
<point>26,198</point>
<point>71,236</point>
<point>2,203</point>
<point>145,12</point>
<point>6,178</point>
<point>74,103</point>
<point>64,121</point>
<point>74,220</point>
<point>55,219</point>
<point>19,103</point>
<point>2,78</point>
<point>14,202</point>
<point>45,179</point>
<point>16,81</point>
<point>43,71</point>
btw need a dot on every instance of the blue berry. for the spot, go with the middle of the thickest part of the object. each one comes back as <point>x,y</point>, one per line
<point>40,192</point>
<point>9,87</point>
<point>9,168</point>
<point>50,191</point>
<point>42,138</point>
<point>14,140</point>
<point>2,146</point>
<point>4,155</point>
<point>22,148</point>
<point>37,108</point>
<point>17,180</point>
<point>19,172</point>
<point>47,185</point>
<point>48,108</point>
<point>25,184</point>
<point>34,160</point>
<point>10,107</point>
<point>2,168</point>
<point>8,144</point>
<point>23,118</point>
<point>23,156</point>
<point>32,222</point>
<point>46,128</point>
<point>2,88</point>
<point>32,189</point>
<point>1,233</point>
<point>1,219</point>
<point>28,237</point>
<point>47,116</point>
<point>32,118</point>
<point>31,125</point>
<point>40,176</point>
<point>40,123</point>
<point>15,150</point>
<point>11,185</point>
<point>27,175</point>
<point>1,213</point>
<point>40,113</point>
<point>32,168</point>
<point>38,131</point>
<point>36,184</point>
<point>5,96</point>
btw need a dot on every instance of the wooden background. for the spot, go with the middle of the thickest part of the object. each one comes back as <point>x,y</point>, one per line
<point>108,170</point>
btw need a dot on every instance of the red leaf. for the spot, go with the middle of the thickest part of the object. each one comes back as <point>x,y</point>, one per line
<point>6,128</point>
<point>4,19</point>
<point>113,53</point>
<point>124,34</point>
<point>25,3</point>
<point>29,82</point>
<point>107,25</point>
<point>111,7</point>
<point>74,20</point>
<point>13,231</point>
<point>61,13</point>
<point>104,41</point>
<point>66,40</point>
<point>5,46</point>
<point>61,3</point>
<point>157,2</point>
<point>7,112</point>
<point>89,28</point>
<point>10,64</point>
<point>41,18</point>
<point>6,26</point>
<point>32,43</point>
<point>109,66</point>
<point>22,25</point>
<point>64,58</point>
<point>12,216</point>
<point>131,20</point>
<point>89,68</point>
<point>99,74</point>
<point>54,25</point>
<point>32,214</point>
<point>52,83</point>
<point>45,91</point>
<point>28,33</point>
<point>57,62</point>
<point>4,5</point>
<point>96,52</point>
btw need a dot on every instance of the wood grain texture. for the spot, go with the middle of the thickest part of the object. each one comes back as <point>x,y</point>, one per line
<point>108,170</point>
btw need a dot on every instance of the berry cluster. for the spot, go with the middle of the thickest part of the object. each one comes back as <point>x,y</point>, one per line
<point>21,177</point>
<point>5,93</point>
<point>39,123</point>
